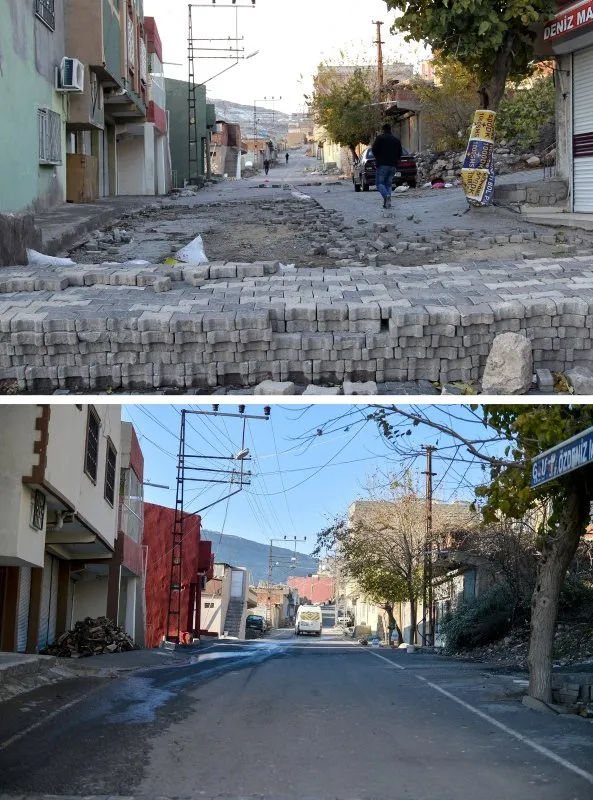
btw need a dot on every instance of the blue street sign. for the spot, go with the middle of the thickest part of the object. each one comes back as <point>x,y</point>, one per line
<point>564,457</point>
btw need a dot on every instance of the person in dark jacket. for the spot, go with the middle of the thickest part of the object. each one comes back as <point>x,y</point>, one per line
<point>266,166</point>
<point>387,150</point>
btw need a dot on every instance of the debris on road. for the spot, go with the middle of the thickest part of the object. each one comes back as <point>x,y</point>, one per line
<point>91,637</point>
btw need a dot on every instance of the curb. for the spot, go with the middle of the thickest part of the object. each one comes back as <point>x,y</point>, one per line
<point>30,666</point>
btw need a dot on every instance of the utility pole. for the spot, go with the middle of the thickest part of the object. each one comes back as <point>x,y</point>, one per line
<point>284,539</point>
<point>427,594</point>
<point>187,471</point>
<point>380,72</point>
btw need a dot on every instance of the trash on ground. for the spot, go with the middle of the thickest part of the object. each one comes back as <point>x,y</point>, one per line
<point>193,253</point>
<point>35,259</point>
<point>91,637</point>
<point>136,262</point>
<point>402,189</point>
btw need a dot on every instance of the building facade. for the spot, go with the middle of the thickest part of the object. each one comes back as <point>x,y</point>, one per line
<point>314,588</point>
<point>59,471</point>
<point>34,111</point>
<point>177,93</point>
<point>226,601</point>
<point>568,37</point>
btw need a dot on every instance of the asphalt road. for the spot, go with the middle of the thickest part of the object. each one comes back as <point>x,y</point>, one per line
<point>299,718</point>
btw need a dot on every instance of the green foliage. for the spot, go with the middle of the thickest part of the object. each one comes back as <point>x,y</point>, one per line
<point>344,107</point>
<point>523,112</point>
<point>481,622</point>
<point>576,594</point>
<point>489,37</point>
<point>449,106</point>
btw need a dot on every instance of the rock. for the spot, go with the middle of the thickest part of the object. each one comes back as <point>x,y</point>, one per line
<point>17,233</point>
<point>581,380</point>
<point>367,388</point>
<point>509,368</point>
<point>533,161</point>
<point>545,380</point>
<point>275,388</point>
<point>322,390</point>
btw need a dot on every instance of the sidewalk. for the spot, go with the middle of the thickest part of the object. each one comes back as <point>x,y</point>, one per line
<point>63,226</point>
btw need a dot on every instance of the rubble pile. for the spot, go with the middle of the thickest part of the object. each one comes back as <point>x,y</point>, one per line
<point>447,165</point>
<point>91,637</point>
<point>573,645</point>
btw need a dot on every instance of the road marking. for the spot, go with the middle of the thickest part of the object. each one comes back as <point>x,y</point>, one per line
<point>47,718</point>
<point>389,661</point>
<point>588,776</point>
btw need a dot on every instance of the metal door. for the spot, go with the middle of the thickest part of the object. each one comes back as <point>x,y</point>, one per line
<point>23,608</point>
<point>237,583</point>
<point>582,141</point>
<point>49,602</point>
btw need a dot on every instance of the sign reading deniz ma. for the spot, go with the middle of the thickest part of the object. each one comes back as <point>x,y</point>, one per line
<point>564,457</point>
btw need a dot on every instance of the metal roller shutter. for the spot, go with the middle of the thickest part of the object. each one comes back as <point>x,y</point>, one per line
<point>23,609</point>
<point>582,111</point>
<point>49,602</point>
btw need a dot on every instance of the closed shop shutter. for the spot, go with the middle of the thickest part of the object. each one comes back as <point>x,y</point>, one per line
<point>582,143</point>
<point>23,609</point>
<point>49,602</point>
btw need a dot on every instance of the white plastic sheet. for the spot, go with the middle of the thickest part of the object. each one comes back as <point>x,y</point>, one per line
<point>35,259</point>
<point>193,253</point>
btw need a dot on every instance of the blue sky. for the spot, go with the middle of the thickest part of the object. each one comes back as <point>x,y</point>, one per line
<point>301,479</point>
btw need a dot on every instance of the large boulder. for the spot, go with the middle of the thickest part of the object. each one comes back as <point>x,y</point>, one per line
<point>581,380</point>
<point>509,368</point>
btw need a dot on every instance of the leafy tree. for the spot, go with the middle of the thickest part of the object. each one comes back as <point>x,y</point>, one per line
<point>524,111</point>
<point>449,104</point>
<point>527,431</point>
<point>491,38</point>
<point>345,105</point>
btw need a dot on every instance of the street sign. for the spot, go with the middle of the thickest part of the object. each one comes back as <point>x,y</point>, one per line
<point>563,458</point>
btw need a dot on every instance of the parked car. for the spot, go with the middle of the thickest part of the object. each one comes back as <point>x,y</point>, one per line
<point>255,622</point>
<point>365,171</point>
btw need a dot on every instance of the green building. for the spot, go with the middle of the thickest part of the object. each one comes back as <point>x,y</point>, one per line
<point>33,119</point>
<point>178,109</point>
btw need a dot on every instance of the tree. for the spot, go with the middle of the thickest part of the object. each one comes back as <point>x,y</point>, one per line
<point>491,38</point>
<point>449,104</point>
<point>527,431</point>
<point>384,542</point>
<point>345,105</point>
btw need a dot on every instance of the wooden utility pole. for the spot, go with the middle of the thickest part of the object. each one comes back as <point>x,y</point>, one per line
<point>427,600</point>
<point>380,71</point>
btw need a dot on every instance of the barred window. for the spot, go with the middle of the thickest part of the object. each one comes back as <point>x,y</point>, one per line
<point>110,463</point>
<point>37,509</point>
<point>45,10</point>
<point>91,455</point>
<point>50,136</point>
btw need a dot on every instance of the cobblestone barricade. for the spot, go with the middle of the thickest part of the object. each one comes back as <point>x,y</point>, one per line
<point>94,328</point>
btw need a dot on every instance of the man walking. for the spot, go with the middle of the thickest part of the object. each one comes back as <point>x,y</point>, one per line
<point>266,166</point>
<point>287,157</point>
<point>387,150</point>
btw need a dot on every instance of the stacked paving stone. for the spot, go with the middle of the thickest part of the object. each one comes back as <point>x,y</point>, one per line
<point>237,324</point>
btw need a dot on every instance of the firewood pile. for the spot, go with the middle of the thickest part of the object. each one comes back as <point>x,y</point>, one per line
<point>91,637</point>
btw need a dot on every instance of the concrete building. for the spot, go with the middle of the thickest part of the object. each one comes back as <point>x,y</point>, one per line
<point>126,600</point>
<point>177,93</point>
<point>568,38</point>
<point>59,470</point>
<point>34,113</point>
<point>109,39</point>
<point>226,601</point>
<point>226,150</point>
<point>314,588</point>
<point>278,604</point>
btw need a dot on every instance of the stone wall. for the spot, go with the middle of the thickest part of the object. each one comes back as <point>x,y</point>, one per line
<point>542,193</point>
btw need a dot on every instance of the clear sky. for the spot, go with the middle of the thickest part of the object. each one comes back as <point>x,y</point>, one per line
<point>292,37</point>
<point>301,479</point>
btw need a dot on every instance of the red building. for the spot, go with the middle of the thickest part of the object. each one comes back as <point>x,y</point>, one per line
<point>315,588</point>
<point>197,561</point>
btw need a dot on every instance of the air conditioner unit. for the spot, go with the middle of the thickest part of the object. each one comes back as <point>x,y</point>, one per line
<point>71,75</point>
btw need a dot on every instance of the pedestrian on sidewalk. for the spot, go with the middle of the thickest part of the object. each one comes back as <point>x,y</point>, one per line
<point>394,637</point>
<point>266,166</point>
<point>387,150</point>
<point>287,156</point>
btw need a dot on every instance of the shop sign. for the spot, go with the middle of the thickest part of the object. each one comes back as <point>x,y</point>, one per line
<point>569,21</point>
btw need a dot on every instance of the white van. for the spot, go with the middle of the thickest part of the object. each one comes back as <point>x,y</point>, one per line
<point>309,619</point>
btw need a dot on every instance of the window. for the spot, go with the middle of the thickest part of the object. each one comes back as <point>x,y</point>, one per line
<point>110,463</point>
<point>208,605</point>
<point>50,136</point>
<point>45,10</point>
<point>91,454</point>
<point>37,509</point>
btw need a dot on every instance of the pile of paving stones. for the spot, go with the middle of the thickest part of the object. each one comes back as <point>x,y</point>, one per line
<point>238,324</point>
<point>91,637</point>
<point>448,164</point>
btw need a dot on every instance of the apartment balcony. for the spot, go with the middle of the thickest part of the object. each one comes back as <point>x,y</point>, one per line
<point>123,104</point>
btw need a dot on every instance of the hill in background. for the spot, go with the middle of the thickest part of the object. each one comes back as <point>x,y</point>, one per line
<point>239,552</point>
